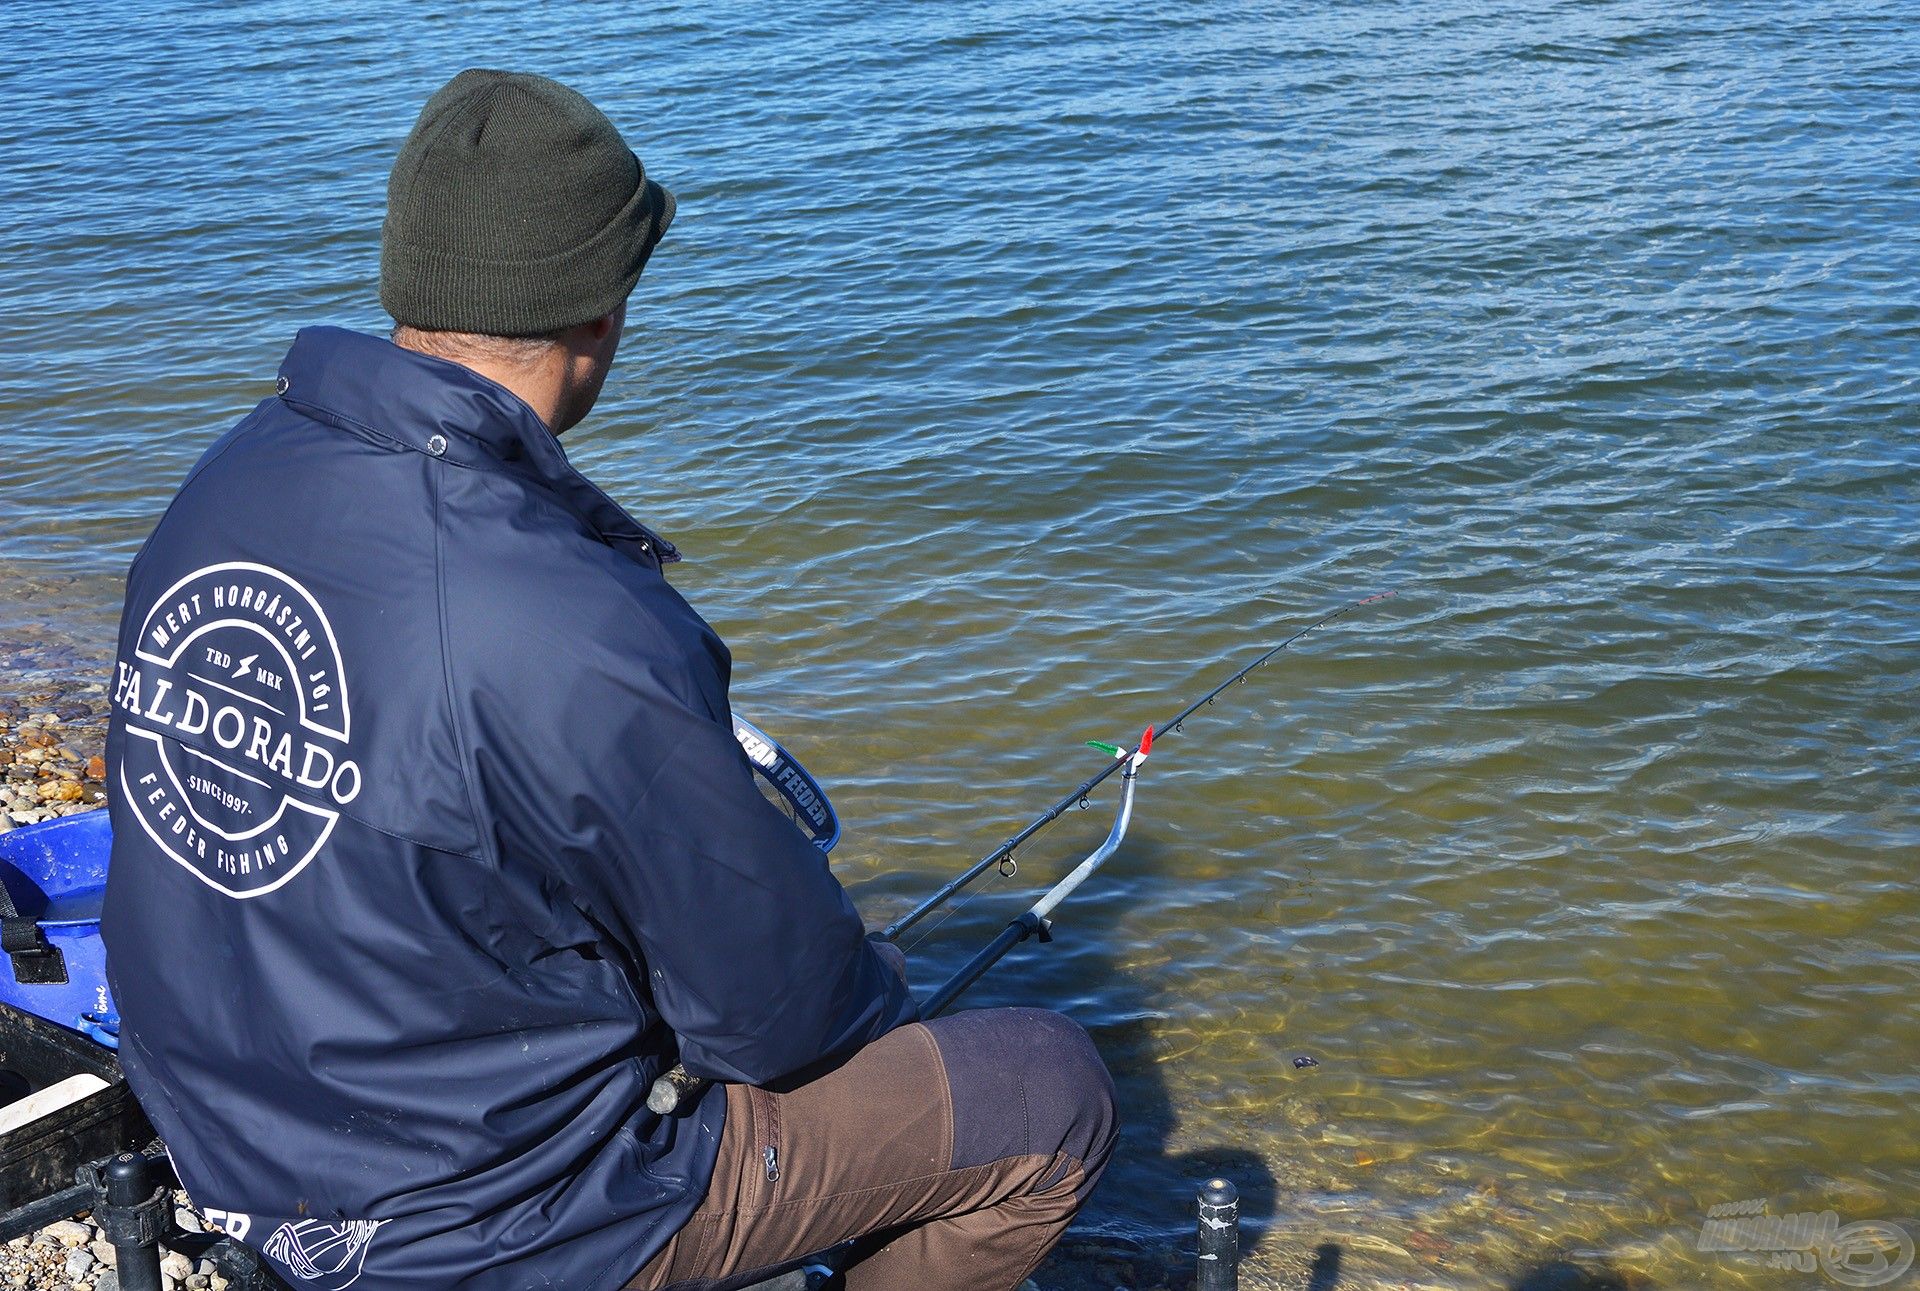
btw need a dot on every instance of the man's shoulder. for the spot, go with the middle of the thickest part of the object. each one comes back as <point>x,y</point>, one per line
<point>528,555</point>
<point>547,594</point>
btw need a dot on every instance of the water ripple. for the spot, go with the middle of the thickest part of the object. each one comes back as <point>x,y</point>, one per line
<point>1006,376</point>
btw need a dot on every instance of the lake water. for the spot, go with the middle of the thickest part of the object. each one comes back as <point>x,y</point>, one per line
<point>1012,370</point>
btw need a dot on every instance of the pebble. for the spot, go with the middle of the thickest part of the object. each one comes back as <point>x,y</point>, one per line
<point>48,744</point>
<point>74,1255</point>
<point>68,1232</point>
<point>1304,1061</point>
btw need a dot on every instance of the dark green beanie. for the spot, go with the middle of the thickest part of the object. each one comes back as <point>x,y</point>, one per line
<point>514,209</point>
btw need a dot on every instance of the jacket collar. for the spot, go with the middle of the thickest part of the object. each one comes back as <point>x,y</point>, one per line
<point>369,384</point>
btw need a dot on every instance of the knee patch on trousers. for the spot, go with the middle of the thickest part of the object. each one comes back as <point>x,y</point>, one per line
<point>1025,1082</point>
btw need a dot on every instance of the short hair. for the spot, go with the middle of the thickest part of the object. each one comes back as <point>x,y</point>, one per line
<point>516,350</point>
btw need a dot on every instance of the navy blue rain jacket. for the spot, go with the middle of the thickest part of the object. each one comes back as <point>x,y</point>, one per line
<point>433,846</point>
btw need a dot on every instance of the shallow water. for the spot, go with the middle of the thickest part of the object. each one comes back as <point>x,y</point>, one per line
<point>1006,377</point>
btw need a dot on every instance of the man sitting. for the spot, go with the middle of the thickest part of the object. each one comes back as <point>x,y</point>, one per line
<point>433,845</point>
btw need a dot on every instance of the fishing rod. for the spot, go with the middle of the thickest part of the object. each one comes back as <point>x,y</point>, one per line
<point>1036,920</point>
<point>678,1085</point>
<point>1002,856</point>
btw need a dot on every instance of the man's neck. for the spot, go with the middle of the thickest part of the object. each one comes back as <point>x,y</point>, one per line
<point>535,373</point>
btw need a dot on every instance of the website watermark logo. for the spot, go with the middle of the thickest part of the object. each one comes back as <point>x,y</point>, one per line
<point>1865,1253</point>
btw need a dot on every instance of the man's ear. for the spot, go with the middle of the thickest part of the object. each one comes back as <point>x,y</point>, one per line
<point>590,338</point>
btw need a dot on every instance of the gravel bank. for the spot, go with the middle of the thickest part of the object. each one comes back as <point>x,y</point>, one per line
<point>53,733</point>
<point>74,1255</point>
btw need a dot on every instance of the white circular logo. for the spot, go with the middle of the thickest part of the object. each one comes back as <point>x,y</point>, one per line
<point>1868,1253</point>
<point>235,710</point>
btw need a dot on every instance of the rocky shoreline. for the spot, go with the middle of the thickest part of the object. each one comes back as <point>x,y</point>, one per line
<point>53,735</point>
<point>74,1255</point>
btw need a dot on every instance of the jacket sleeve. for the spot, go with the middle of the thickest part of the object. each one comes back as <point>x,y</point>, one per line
<point>643,809</point>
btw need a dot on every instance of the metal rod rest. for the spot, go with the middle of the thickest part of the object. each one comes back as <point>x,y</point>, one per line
<point>1217,1253</point>
<point>1035,921</point>
<point>997,855</point>
<point>678,1086</point>
<point>134,1212</point>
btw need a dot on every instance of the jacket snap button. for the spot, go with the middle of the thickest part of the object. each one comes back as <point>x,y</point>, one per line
<point>279,385</point>
<point>437,445</point>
